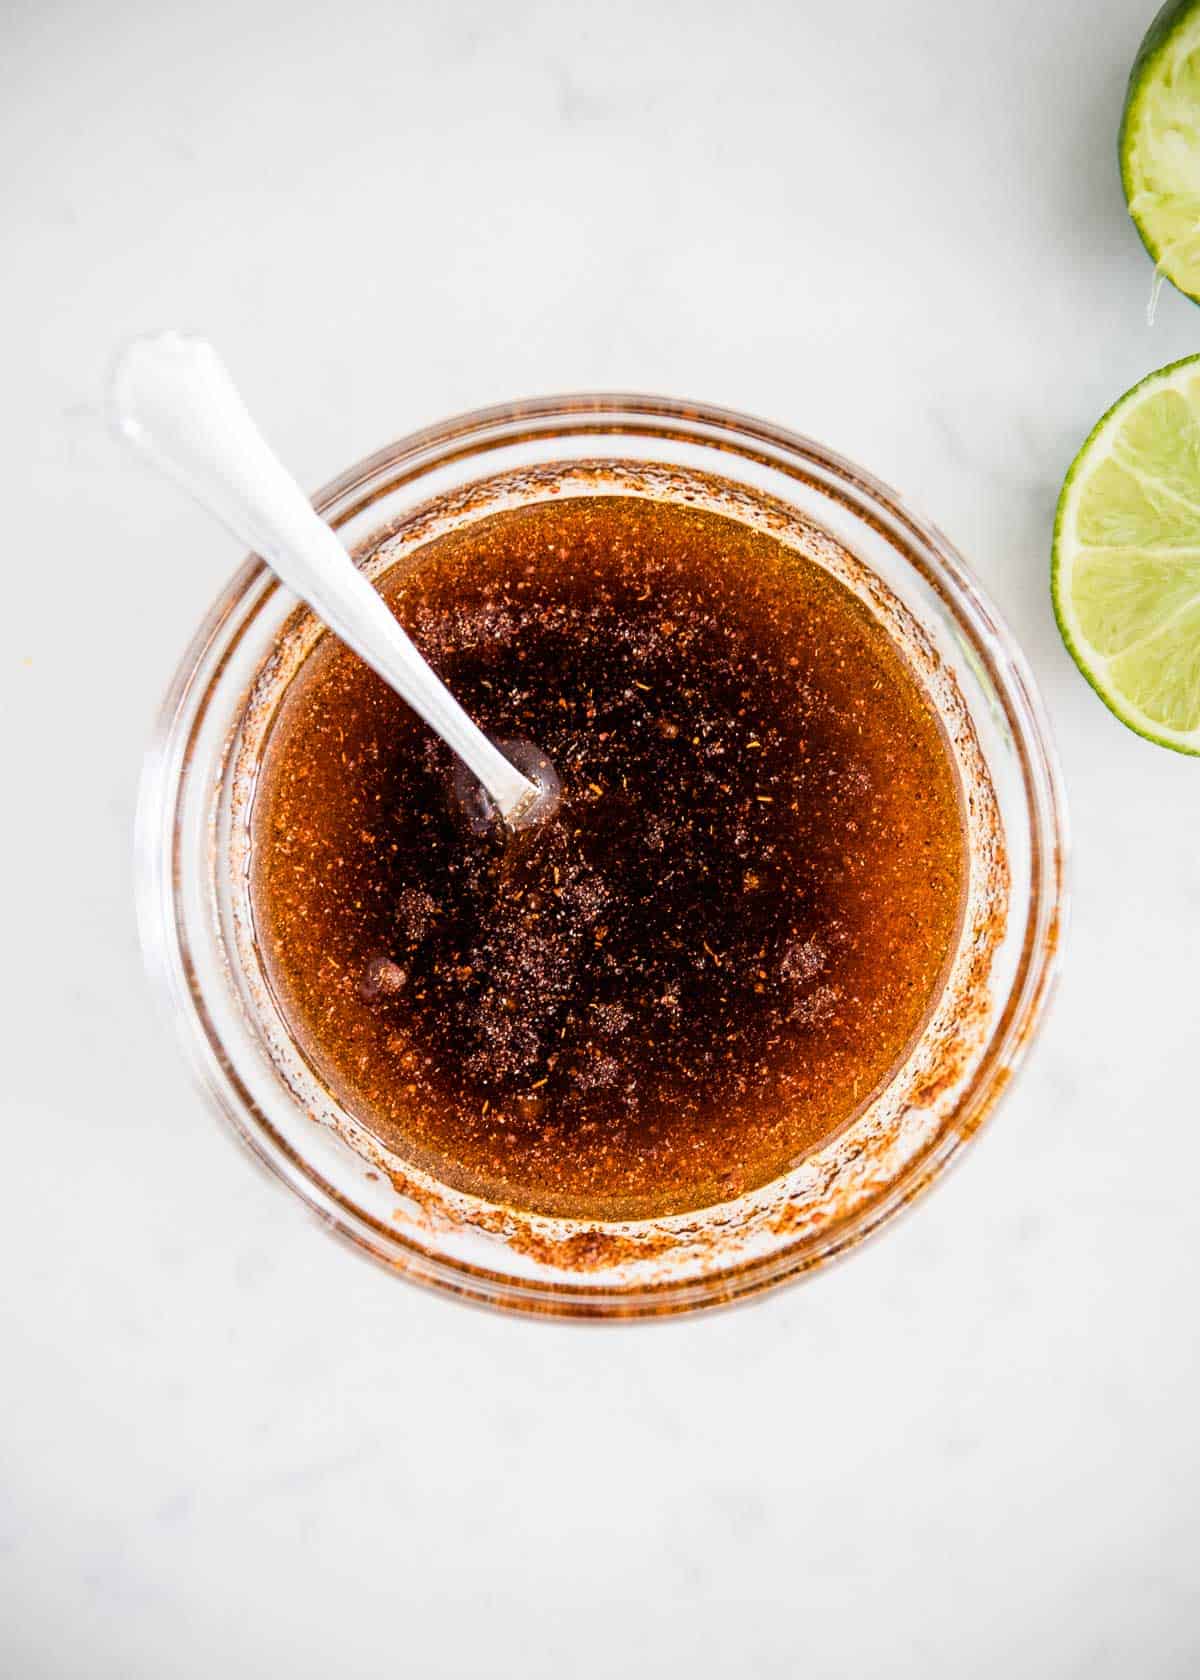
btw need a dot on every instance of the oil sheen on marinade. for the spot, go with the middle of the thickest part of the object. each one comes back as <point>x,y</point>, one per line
<point>712,956</point>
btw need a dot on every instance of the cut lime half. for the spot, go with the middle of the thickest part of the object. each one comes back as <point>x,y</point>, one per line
<point>1125,574</point>
<point>1159,144</point>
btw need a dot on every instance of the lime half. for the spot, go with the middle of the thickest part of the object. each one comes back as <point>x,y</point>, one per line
<point>1160,143</point>
<point>1125,574</point>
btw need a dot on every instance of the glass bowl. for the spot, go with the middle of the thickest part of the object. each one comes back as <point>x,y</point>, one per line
<point>193,850</point>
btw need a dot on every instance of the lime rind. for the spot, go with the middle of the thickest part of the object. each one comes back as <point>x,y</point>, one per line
<point>1126,594</point>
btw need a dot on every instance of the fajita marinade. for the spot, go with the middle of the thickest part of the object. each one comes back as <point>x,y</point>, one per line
<point>721,945</point>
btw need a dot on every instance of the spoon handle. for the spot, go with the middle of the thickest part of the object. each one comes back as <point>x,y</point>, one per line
<point>173,399</point>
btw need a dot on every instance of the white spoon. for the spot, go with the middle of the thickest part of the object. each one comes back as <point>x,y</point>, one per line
<point>172,398</point>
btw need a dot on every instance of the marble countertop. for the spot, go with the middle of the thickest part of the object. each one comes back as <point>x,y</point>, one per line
<point>228,1445</point>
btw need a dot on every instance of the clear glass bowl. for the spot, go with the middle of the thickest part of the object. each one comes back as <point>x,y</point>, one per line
<point>198,935</point>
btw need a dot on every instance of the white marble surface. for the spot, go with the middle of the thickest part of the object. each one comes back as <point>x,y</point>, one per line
<point>228,1446</point>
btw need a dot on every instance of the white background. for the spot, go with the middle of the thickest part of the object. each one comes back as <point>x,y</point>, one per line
<point>228,1446</point>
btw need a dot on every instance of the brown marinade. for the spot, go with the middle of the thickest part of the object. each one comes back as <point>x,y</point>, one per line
<point>719,948</point>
